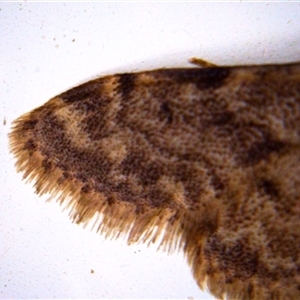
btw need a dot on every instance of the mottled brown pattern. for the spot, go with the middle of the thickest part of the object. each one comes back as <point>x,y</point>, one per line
<point>209,159</point>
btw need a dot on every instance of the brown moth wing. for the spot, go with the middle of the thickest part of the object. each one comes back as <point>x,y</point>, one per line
<point>207,159</point>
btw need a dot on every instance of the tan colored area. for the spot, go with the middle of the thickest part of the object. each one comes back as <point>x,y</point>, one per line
<point>114,148</point>
<point>202,160</point>
<point>174,188</point>
<point>71,119</point>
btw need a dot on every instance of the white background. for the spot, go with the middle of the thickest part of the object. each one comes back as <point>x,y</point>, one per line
<point>46,48</point>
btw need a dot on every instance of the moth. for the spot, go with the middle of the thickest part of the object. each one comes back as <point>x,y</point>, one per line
<point>206,160</point>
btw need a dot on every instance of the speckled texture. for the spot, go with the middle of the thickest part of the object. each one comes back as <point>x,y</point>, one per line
<point>207,160</point>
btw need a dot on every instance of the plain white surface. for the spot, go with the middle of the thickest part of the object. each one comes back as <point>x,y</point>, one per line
<point>47,48</point>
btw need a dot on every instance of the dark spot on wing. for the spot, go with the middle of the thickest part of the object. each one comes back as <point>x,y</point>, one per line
<point>207,78</point>
<point>47,165</point>
<point>126,84</point>
<point>89,90</point>
<point>165,113</point>
<point>268,187</point>
<point>30,146</point>
<point>29,124</point>
<point>261,150</point>
<point>222,118</point>
<point>159,198</point>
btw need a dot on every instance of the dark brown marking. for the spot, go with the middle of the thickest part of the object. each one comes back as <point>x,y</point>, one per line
<point>126,84</point>
<point>269,188</point>
<point>210,78</point>
<point>30,146</point>
<point>165,113</point>
<point>29,124</point>
<point>261,150</point>
<point>85,91</point>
